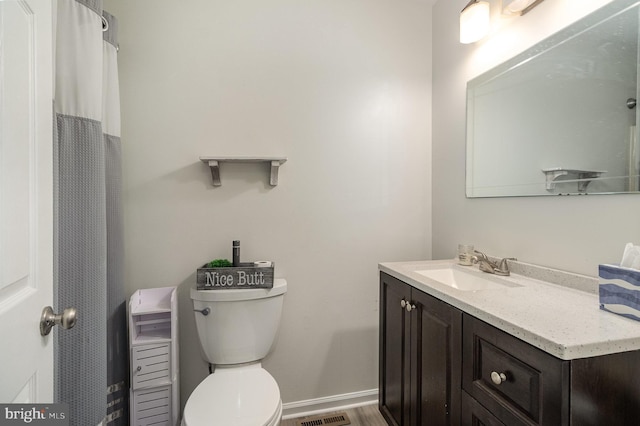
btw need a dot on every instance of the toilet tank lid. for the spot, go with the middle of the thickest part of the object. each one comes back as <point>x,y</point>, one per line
<point>279,287</point>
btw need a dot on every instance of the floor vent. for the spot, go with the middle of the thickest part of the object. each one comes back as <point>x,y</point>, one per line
<point>334,419</point>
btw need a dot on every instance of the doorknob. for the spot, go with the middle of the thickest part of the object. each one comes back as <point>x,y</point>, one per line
<point>67,319</point>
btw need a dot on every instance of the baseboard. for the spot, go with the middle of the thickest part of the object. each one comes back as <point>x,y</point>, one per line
<point>325,404</point>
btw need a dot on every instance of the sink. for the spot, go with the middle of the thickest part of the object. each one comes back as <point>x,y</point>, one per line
<point>466,281</point>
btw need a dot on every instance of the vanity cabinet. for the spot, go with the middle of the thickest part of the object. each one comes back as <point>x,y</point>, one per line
<point>440,366</point>
<point>420,357</point>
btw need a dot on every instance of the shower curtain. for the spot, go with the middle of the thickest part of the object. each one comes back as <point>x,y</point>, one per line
<point>91,360</point>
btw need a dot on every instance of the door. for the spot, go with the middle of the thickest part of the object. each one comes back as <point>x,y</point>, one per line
<point>26,199</point>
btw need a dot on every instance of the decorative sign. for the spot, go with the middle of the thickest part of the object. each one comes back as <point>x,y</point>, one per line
<point>244,276</point>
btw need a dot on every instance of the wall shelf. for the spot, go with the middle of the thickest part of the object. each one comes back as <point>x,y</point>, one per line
<point>214,164</point>
<point>583,177</point>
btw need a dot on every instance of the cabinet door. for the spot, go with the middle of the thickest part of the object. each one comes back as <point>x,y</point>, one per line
<point>605,390</point>
<point>436,361</point>
<point>151,366</point>
<point>152,407</point>
<point>394,398</point>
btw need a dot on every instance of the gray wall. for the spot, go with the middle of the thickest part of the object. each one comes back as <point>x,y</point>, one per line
<point>572,233</point>
<point>343,89</point>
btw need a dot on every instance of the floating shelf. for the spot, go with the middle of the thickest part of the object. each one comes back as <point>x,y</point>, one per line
<point>583,177</point>
<point>214,164</point>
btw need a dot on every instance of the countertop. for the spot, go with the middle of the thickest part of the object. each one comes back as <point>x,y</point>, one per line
<point>563,317</point>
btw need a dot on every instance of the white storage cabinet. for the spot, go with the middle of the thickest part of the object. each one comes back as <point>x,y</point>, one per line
<point>153,334</point>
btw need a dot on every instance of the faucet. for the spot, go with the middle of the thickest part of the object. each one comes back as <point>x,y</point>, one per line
<point>491,267</point>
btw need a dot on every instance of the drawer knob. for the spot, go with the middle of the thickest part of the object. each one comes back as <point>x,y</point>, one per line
<point>498,378</point>
<point>403,303</point>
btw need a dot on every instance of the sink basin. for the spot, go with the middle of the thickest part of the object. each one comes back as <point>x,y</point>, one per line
<point>465,281</point>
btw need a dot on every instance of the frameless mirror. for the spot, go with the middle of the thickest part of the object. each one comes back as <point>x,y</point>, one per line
<point>560,118</point>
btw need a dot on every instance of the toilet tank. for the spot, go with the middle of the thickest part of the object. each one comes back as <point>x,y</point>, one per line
<point>242,323</point>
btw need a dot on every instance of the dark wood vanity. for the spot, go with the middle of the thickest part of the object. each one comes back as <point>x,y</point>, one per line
<point>440,366</point>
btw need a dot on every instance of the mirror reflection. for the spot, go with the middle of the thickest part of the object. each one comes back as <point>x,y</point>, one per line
<point>560,119</point>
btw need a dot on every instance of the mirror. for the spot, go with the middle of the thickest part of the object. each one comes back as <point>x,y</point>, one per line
<point>560,118</point>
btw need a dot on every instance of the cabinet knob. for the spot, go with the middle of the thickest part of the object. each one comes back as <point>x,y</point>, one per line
<point>498,378</point>
<point>407,305</point>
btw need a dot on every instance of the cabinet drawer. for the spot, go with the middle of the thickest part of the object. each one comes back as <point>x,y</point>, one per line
<point>151,366</point>
<point>474,414</point>
<point>517,382</point>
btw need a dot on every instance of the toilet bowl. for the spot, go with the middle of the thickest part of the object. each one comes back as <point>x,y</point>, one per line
<point>240,396</point>
<point>236,329</point>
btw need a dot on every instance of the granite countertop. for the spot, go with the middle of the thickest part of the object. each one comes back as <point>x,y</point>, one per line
<point>556,311</point>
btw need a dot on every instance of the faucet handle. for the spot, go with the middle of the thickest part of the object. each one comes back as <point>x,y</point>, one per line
<point>503,262</point>
<point>479,256</point>
<point>503,266</point>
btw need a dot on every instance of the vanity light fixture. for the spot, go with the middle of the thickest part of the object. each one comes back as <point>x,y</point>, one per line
<point>518,7</point>
<point>475,21</point>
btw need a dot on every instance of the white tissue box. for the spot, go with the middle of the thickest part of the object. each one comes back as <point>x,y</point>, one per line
<point>619,290</point>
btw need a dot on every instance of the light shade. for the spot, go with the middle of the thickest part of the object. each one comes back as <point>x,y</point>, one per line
<point>475,21</point>
<point>518,7</point>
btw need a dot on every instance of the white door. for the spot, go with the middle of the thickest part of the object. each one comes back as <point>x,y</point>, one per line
<point>26,194</point>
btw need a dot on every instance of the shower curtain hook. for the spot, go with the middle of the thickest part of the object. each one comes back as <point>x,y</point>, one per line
<point>105,24</point>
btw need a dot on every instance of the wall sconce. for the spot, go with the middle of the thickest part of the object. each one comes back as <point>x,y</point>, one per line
<point>475,21</point>
<point>518,7</point>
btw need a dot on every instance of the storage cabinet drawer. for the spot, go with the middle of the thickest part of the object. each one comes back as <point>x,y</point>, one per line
<point>518,383</point>
<point>151,366</point>
<point>474,414</point>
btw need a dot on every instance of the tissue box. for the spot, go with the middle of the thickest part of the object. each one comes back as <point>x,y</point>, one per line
<point>620,290</point>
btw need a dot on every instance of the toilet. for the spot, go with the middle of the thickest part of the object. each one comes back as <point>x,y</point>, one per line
<point>236,328</point>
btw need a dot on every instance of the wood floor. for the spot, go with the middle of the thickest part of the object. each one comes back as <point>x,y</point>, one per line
<point>367,415</point>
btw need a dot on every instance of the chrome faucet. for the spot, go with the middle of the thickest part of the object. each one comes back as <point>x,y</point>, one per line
<point>491,267</point>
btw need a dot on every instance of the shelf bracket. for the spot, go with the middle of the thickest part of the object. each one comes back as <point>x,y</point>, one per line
<point>215,172</point>
<point>214,165</point>
<point>584,177</point>
<point>273,178</point>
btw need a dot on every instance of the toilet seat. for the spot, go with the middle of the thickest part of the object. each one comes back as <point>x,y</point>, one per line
<point>236,396</point>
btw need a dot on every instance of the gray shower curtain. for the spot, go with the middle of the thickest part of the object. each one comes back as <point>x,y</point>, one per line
<point>91,361</point>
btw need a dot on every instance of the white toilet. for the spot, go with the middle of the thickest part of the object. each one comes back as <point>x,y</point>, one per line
<point>235,334</point>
